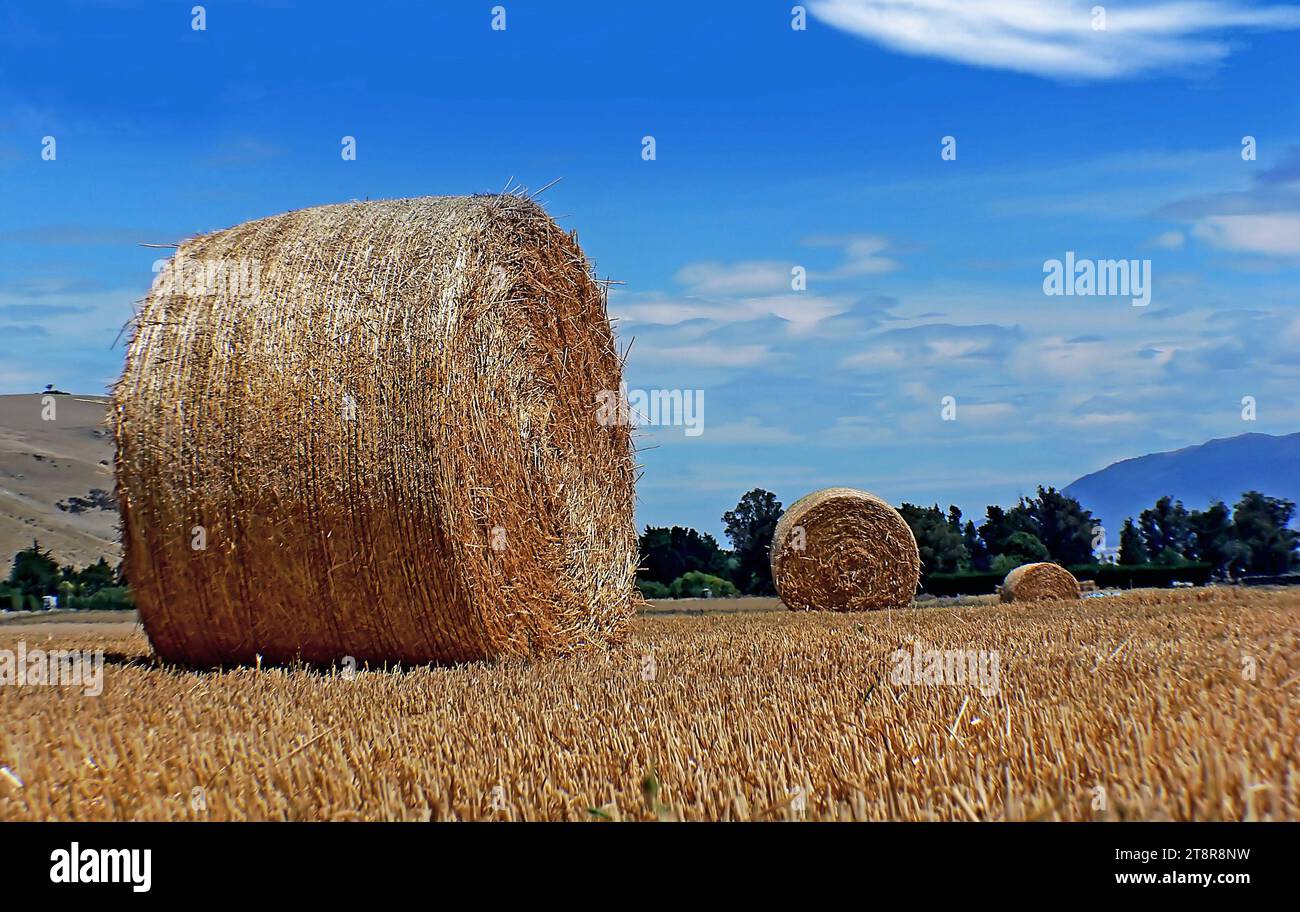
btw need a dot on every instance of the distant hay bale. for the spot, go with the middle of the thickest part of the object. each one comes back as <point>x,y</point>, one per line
<point>371,430</point>
<point>1030,582</point>
<point>840,549</point>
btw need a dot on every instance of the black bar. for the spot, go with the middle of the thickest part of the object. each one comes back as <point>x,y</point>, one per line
<point>603,862</point>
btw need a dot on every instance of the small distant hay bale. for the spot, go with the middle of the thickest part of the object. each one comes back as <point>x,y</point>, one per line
<point>1031,582</point>
<point>841,549</point>
<point>370,430</point>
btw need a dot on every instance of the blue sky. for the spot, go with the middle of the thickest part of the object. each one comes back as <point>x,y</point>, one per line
<point>775,148</point>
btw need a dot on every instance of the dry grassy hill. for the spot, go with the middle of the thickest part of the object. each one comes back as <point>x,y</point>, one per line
<point>48,470</point>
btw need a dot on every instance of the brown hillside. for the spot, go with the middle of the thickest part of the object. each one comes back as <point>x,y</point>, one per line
<point>45,463</point>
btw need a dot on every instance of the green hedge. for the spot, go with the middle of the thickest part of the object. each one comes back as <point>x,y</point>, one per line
<point>1107,576</point>
<point>946,584</point>
<point>1142,576</point>
<point>110,598</point>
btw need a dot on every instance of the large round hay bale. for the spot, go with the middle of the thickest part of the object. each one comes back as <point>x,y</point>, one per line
<point>841,549</point>
<point>371,430</point>
<point>1030,582</point>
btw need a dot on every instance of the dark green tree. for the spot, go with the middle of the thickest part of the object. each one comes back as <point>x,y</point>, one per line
<point>667,553</point>
<point>1166,530</point>
<point>975,547</point>
<point>1261,524</point>
<point>1026,548</point>
<point>995,530</point>
<point>1214,540</point>
<point>999,525</point>
<point>954,518</point>
<point>89,580</point>
<point>1062,524</point>
<point>1132,550</point>
<point>35,572</point>
<point>750,528</point>
<point>941,546</point>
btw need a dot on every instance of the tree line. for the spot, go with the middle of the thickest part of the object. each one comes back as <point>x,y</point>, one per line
<point>1253,537</point>
<point>677,562</point>
<point>35,574</point>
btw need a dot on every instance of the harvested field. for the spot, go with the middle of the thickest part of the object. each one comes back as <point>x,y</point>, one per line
<point>1151,705</point>
<point>695,606</point>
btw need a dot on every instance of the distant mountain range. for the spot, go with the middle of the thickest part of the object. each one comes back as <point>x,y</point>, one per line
<point>1218,470</point>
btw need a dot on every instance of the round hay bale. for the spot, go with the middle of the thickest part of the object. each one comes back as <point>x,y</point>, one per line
<point>1030,582</point>
<point>370,430</point>
<point>841,549</point>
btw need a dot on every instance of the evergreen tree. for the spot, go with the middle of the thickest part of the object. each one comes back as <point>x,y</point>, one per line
<point>89,580</point>
<point>998,526</point>
<point>1132,549</point>
<point>1062,524</point>
<point>750,527</point>
<point>1262,526</point>
<point>975,547</point>
<point>941,546</point>
<point>1214,540</point>
<point>1166,530</point>
<point>35,572</point>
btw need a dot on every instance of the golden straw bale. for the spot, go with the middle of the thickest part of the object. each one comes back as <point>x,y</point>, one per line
<point>1030,582</point>
<point>370,430</point>
<point>841,549</point>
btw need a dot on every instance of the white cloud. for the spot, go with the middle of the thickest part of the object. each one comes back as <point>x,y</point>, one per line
<point>708,355</point>
<point>749,290</point>
<point>800,309</point>
<point>738,278</point>
<point>864,254</point>
<point>1292,333</point>
<point>1056,38</point>
<point>1170,240</point>
<point>857,430</point>
<point>985,413</point>
<point>1093,420</point>
<point>1276,234</point>
<point>876,358</point>
<point>933,345</point>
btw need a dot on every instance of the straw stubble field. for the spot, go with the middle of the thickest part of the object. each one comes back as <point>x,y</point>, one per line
<point>1136,706</point>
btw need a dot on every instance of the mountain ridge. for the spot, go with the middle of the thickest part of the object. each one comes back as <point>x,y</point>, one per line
<point>1222,468</point>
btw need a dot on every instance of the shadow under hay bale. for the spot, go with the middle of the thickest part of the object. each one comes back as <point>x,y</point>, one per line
<point>841,549</point>
<point>370,430</point>
<point>1030,582</point>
